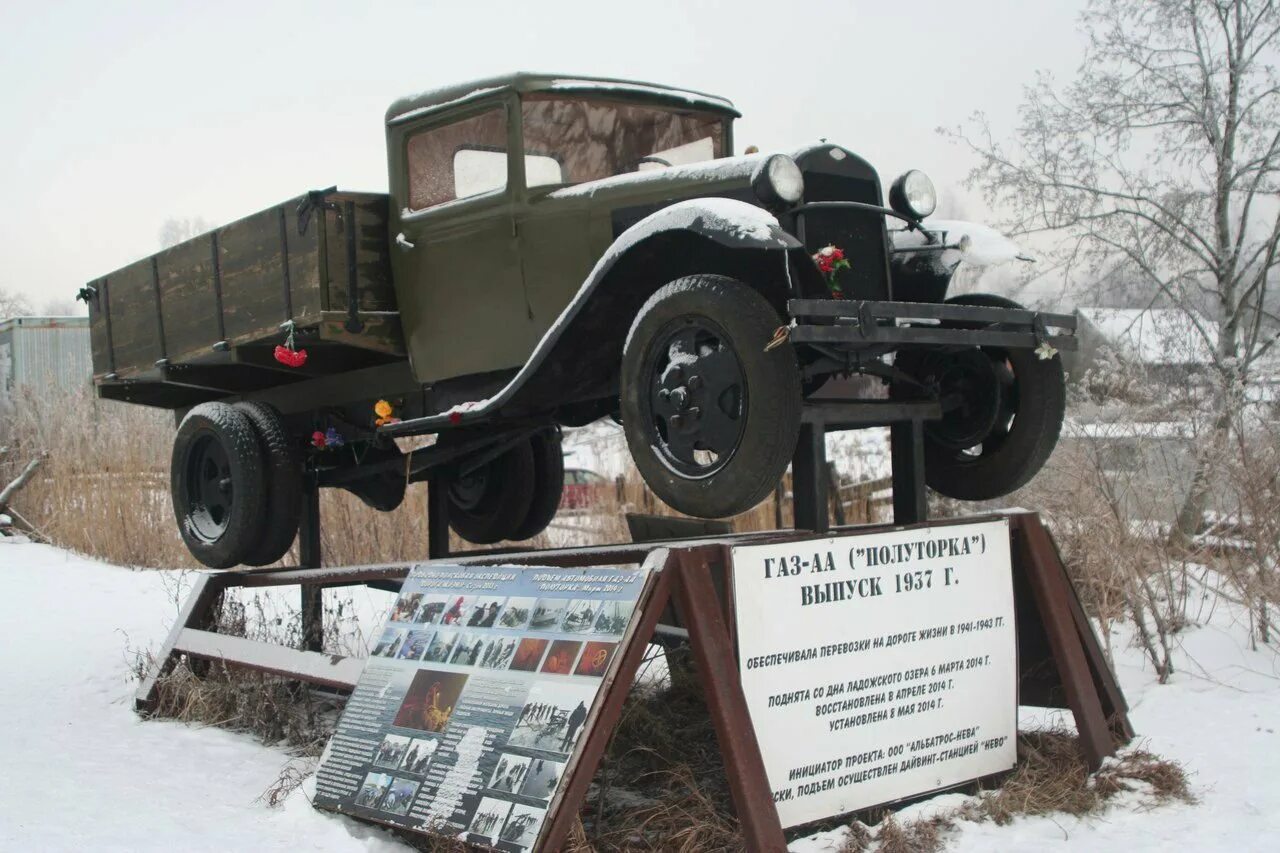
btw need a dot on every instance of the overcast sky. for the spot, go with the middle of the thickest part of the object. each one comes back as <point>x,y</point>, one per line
<point>115,116</point>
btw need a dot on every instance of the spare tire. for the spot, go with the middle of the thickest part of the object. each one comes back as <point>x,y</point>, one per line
<point>490,503</point>
<point>218,483</point>
<point>548,484</point>
<point>284,484</point>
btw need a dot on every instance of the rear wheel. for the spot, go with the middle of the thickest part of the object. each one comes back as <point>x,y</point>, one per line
<point>283,481</point>
<point>490,502</point>
<point>711,419</point>
<point>218,483</point>
<point>548,484</point>
<point>1002,412</point>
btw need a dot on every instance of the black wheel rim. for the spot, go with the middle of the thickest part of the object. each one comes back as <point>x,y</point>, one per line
<point>468,492</point>
<point>210,490</point>
<point>694,397</point>
<point>979,393</point>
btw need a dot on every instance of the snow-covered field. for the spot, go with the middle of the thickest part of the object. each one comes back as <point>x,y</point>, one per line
<point>82,772</point>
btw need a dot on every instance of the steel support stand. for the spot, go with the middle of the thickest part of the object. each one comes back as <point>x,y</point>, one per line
<point>310,557</point>
<point>906,453</point>
<point>809,479</point>
<point>437,517</point>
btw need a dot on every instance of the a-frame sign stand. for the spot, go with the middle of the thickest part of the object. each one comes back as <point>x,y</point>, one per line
<point>1060,662</point>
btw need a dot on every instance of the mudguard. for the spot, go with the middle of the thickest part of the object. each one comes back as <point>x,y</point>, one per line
<point>728,223</point>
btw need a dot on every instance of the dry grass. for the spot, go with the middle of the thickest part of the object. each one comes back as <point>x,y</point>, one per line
<point>1051,778</point>
<point>103,491</point>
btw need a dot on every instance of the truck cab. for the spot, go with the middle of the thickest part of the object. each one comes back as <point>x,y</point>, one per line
<point>488,231</point>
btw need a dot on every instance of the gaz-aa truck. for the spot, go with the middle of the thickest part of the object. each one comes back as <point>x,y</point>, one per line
<point>553,250</point>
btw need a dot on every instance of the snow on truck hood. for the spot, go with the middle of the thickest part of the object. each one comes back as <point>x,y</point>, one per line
<point>723,169</point>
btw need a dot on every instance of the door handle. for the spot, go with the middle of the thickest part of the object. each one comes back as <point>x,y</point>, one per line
<point>403,242</point>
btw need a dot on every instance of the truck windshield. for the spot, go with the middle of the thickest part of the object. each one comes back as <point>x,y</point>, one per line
<point>574,140</point>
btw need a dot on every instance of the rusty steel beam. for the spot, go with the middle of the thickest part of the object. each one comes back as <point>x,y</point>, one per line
<point>717,664</point>
<point>600,730</point>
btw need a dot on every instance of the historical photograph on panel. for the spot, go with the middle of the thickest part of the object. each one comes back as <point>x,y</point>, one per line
<point>595,659</point>
<point>457,611</point>
<point>400,797</point>
<point>467,651</point>
<point>389,643</point>
<point>373,790</point>
<point>552,716</point>
<point>560,658</point>
<point>431,609</point>
<point>441,646</point>
<point>415,645</point>
<point>580,616</point>
<point>517,612</point>
<point>612,617</point>
<point>484,611</point>
<point>541,778</point>
<point>529,654</point>
<point>489,818</point>
<point>498,652</point>
<point>522,826</point>
<point>405,607</point>
<point>510,773</point>
<point>548,613</point>
<point>468,732</point>
<point>418,756</point>
<point>431,700</point>
<point>391,751</point>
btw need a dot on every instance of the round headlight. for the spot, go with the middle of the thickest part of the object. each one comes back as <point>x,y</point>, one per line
<point>777,181</point>
<point>913,195</point>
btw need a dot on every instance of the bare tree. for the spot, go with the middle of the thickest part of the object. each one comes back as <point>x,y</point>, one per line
<point>13,304</point>
<point>1162,156</point>
<point>178,229</point>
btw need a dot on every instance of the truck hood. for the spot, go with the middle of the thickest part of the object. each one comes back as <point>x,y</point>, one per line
<point>711,172</point>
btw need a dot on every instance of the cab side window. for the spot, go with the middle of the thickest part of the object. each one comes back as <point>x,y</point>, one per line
<point>466,158</point>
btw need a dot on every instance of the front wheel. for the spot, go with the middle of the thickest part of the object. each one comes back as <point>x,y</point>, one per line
<point>1002,412</point>
<point>711,419</point>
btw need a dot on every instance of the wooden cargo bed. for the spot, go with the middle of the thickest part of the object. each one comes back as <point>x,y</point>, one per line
<point>201,320</point>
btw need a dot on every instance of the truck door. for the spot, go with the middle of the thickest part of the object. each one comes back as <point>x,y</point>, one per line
<point>455,253</point>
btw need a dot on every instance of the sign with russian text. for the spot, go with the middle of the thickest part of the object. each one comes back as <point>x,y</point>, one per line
<point>878,667</point>
<point>475,697</point>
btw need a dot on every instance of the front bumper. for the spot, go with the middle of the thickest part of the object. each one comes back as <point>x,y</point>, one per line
<point>861,324</point>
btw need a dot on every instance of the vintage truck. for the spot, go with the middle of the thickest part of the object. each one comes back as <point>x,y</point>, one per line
<point>554,250</point>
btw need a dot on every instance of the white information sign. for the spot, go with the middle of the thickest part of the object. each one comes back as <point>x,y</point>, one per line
<point>878,667</point>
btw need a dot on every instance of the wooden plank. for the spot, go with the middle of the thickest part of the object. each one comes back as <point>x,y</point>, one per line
<point>372,257</point>
<point>188,303</point>
<point>252,269</point>
<point>1105,682</point>
<point>133,319</point>
<point>196,612</point>
<point>312,667</point>
<point>381,331</point>
<point>699,607</point>
<point>99,349</point>
<point>1049,586</point>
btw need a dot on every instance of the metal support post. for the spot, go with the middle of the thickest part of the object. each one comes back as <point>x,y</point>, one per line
<point>309,557</point>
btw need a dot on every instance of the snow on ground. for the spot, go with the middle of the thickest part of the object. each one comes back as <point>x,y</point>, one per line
<point>82,772</point>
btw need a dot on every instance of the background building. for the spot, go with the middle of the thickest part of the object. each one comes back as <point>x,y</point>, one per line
<point>43,353</point>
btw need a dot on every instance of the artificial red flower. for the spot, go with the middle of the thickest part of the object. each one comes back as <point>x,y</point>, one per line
<point>291,358</point>
<point>827,258</point>
<point>318,439</point>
